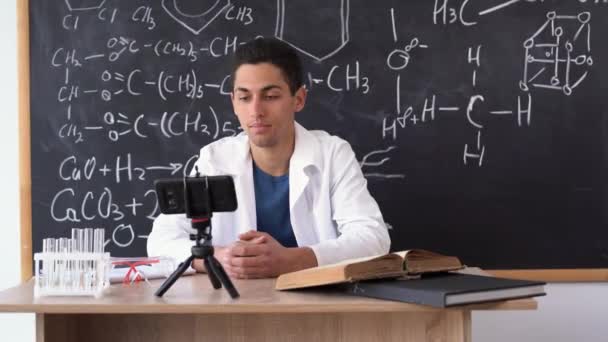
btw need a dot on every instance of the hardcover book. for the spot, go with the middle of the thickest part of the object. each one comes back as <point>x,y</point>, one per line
<point>406,264</point>
<point>447,289</point>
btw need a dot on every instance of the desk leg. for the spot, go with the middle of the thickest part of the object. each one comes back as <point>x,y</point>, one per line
<point>458,324</point>
<point>51,328</point>
<point>442,325</point>
<point>39,327</point>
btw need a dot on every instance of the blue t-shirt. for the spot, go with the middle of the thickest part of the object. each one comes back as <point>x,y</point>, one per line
<point>272,206</point>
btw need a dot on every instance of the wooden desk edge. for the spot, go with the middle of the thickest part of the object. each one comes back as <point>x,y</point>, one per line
<point>236,307</point>
<point>520,304</point>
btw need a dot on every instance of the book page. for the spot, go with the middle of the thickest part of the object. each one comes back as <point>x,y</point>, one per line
<point>360,260</point>
<point>421,260</point>
<point>418,254</point>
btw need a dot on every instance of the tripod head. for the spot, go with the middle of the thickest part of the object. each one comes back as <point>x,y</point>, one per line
<point>202,239</point>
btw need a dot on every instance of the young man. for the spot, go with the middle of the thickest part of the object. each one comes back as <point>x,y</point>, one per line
<point>302,198</point>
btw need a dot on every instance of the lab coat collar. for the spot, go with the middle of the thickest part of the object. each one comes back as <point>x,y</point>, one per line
<point>305,155</point>
<point>304,160</point>
<point>305,151</point>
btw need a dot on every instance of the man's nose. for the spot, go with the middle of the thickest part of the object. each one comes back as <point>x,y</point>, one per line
<point>257,108</point>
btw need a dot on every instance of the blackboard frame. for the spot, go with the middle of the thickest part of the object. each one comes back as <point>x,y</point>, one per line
<point>25,182</point>
<point>25,166</point>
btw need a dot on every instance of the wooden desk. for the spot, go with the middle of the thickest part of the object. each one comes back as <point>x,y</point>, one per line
<point>193,311</point>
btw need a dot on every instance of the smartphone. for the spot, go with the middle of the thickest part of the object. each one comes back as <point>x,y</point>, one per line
<point>172,198</point>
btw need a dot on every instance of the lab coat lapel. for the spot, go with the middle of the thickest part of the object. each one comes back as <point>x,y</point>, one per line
<point>246,197</point>
<point>300,209</point>
<point>238,163</point>
<point>301,216</point>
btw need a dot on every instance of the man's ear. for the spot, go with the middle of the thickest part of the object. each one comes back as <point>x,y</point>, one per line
<point>300,98</point>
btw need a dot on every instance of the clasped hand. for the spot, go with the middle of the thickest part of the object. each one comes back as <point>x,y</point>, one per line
<point>254,255</point>
<point>259,255</point>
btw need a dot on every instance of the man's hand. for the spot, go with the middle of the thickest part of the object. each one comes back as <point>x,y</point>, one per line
<point>259,255</point>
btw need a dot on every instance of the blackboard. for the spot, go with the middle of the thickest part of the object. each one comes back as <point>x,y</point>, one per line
<point>481,126</point>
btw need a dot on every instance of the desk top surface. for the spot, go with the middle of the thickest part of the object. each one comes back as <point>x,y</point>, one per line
<point>194,294</point>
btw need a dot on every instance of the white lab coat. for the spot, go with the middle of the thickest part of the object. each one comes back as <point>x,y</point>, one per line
<point>331,209</point>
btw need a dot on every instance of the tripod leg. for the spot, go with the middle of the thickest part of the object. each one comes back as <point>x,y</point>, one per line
<point>211,272</point>
<point>173,277</point>
<point>220,273</point>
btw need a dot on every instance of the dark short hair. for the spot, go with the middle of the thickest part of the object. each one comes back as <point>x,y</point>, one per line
<point>275,52</point>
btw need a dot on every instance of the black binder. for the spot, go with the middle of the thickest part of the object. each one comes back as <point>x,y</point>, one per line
<point>447,289</point>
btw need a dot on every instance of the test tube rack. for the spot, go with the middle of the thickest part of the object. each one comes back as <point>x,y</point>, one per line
<point>71,274</point>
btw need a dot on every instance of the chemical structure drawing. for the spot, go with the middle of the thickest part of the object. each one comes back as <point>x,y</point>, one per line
<point>370,161</point>
<point>399,59</point>
<point>331,27</point>
<point>195,15</point>
<point>557,58</point>
<point>84,5</point>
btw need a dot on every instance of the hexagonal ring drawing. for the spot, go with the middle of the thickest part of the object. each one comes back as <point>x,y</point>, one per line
<point>84,5</point>
<point>195,22</point>
<point>328,21</point>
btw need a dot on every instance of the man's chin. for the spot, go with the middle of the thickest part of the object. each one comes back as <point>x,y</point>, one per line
<point>262,142</point>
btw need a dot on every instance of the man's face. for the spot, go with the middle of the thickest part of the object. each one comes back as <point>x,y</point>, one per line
<point>264,104</point>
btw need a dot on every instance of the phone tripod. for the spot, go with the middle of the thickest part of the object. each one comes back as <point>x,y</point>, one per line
<point>215,271</point>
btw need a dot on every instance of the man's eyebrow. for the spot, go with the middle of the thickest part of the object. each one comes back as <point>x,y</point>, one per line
<point>264,89</point>
<point>270,87</point>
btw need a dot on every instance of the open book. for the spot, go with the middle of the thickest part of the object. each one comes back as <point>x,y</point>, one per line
<point>405,263</point>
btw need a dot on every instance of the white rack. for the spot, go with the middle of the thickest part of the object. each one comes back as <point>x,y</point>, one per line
<point>71,274</point>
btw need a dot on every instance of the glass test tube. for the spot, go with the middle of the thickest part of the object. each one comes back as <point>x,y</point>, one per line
<point>98,248</point>
<point>62,268</point>
<point>78,236</point>
<point>99,240</point>
<point>88,240</point>
<point>47,245</point>
<point>55,265</point>
<point>73,263</point>
<point>88,249</point>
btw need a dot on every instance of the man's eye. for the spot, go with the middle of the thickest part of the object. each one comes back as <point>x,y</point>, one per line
<point>243,98</point>
<point>272,97</point>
